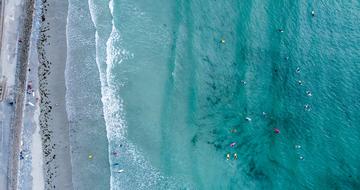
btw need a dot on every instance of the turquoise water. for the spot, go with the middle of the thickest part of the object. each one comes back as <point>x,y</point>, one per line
<point>174,97</point>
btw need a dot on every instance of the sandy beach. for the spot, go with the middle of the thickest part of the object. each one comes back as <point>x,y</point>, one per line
<point>53,119</point>
<point>41,159</point>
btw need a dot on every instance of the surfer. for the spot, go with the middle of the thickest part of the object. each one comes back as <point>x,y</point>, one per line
<point>243,82</point>
<point>228,156</point>
<point>248,119</point>
<point>119,171</point>
<point>276,130</point>
<point>308,93</point>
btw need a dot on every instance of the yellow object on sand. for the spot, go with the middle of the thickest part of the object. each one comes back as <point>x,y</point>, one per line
<point>90,156</point>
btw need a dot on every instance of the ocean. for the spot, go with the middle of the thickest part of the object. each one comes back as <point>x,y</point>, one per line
<point>159,93</point>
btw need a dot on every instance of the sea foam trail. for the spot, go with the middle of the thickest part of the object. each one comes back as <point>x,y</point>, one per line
<point>137,173</point>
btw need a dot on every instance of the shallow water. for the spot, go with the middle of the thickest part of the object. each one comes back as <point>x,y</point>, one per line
<point>175,97</point>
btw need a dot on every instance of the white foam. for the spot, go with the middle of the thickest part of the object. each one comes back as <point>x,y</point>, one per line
<point>113,105</point>
<point>138,172</point>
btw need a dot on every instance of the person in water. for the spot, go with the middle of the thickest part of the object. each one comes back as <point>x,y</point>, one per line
<point>235,156</point>
<point>308,93</point>
<point>228,156</point>
<point>276,130</point>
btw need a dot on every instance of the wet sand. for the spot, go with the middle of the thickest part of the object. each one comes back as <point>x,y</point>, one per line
<point>54,126</point>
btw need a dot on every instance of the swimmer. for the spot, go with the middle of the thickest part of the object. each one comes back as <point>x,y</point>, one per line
<point>233,144</point>
<point>308,93</point>
<point>233,131</point>
<point>301,158</point>
<point>280,30</point>
<point>287,58</point>
<point>313,13</point>
<point>90,156</point>
<point>297,146</point>
<point>228,156</point>
<point>248,119</point>
<point>235,156</point>
<point>264,113</point>
<point>243,82</point>
<point>307,107</point>
<point>300,82</point>
<point>114,153</point>
<point>298,70</point>
<point>276,130</point>
<point>222,41</point>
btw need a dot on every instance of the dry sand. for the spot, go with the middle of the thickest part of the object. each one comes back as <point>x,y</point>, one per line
<point>37,171</point>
